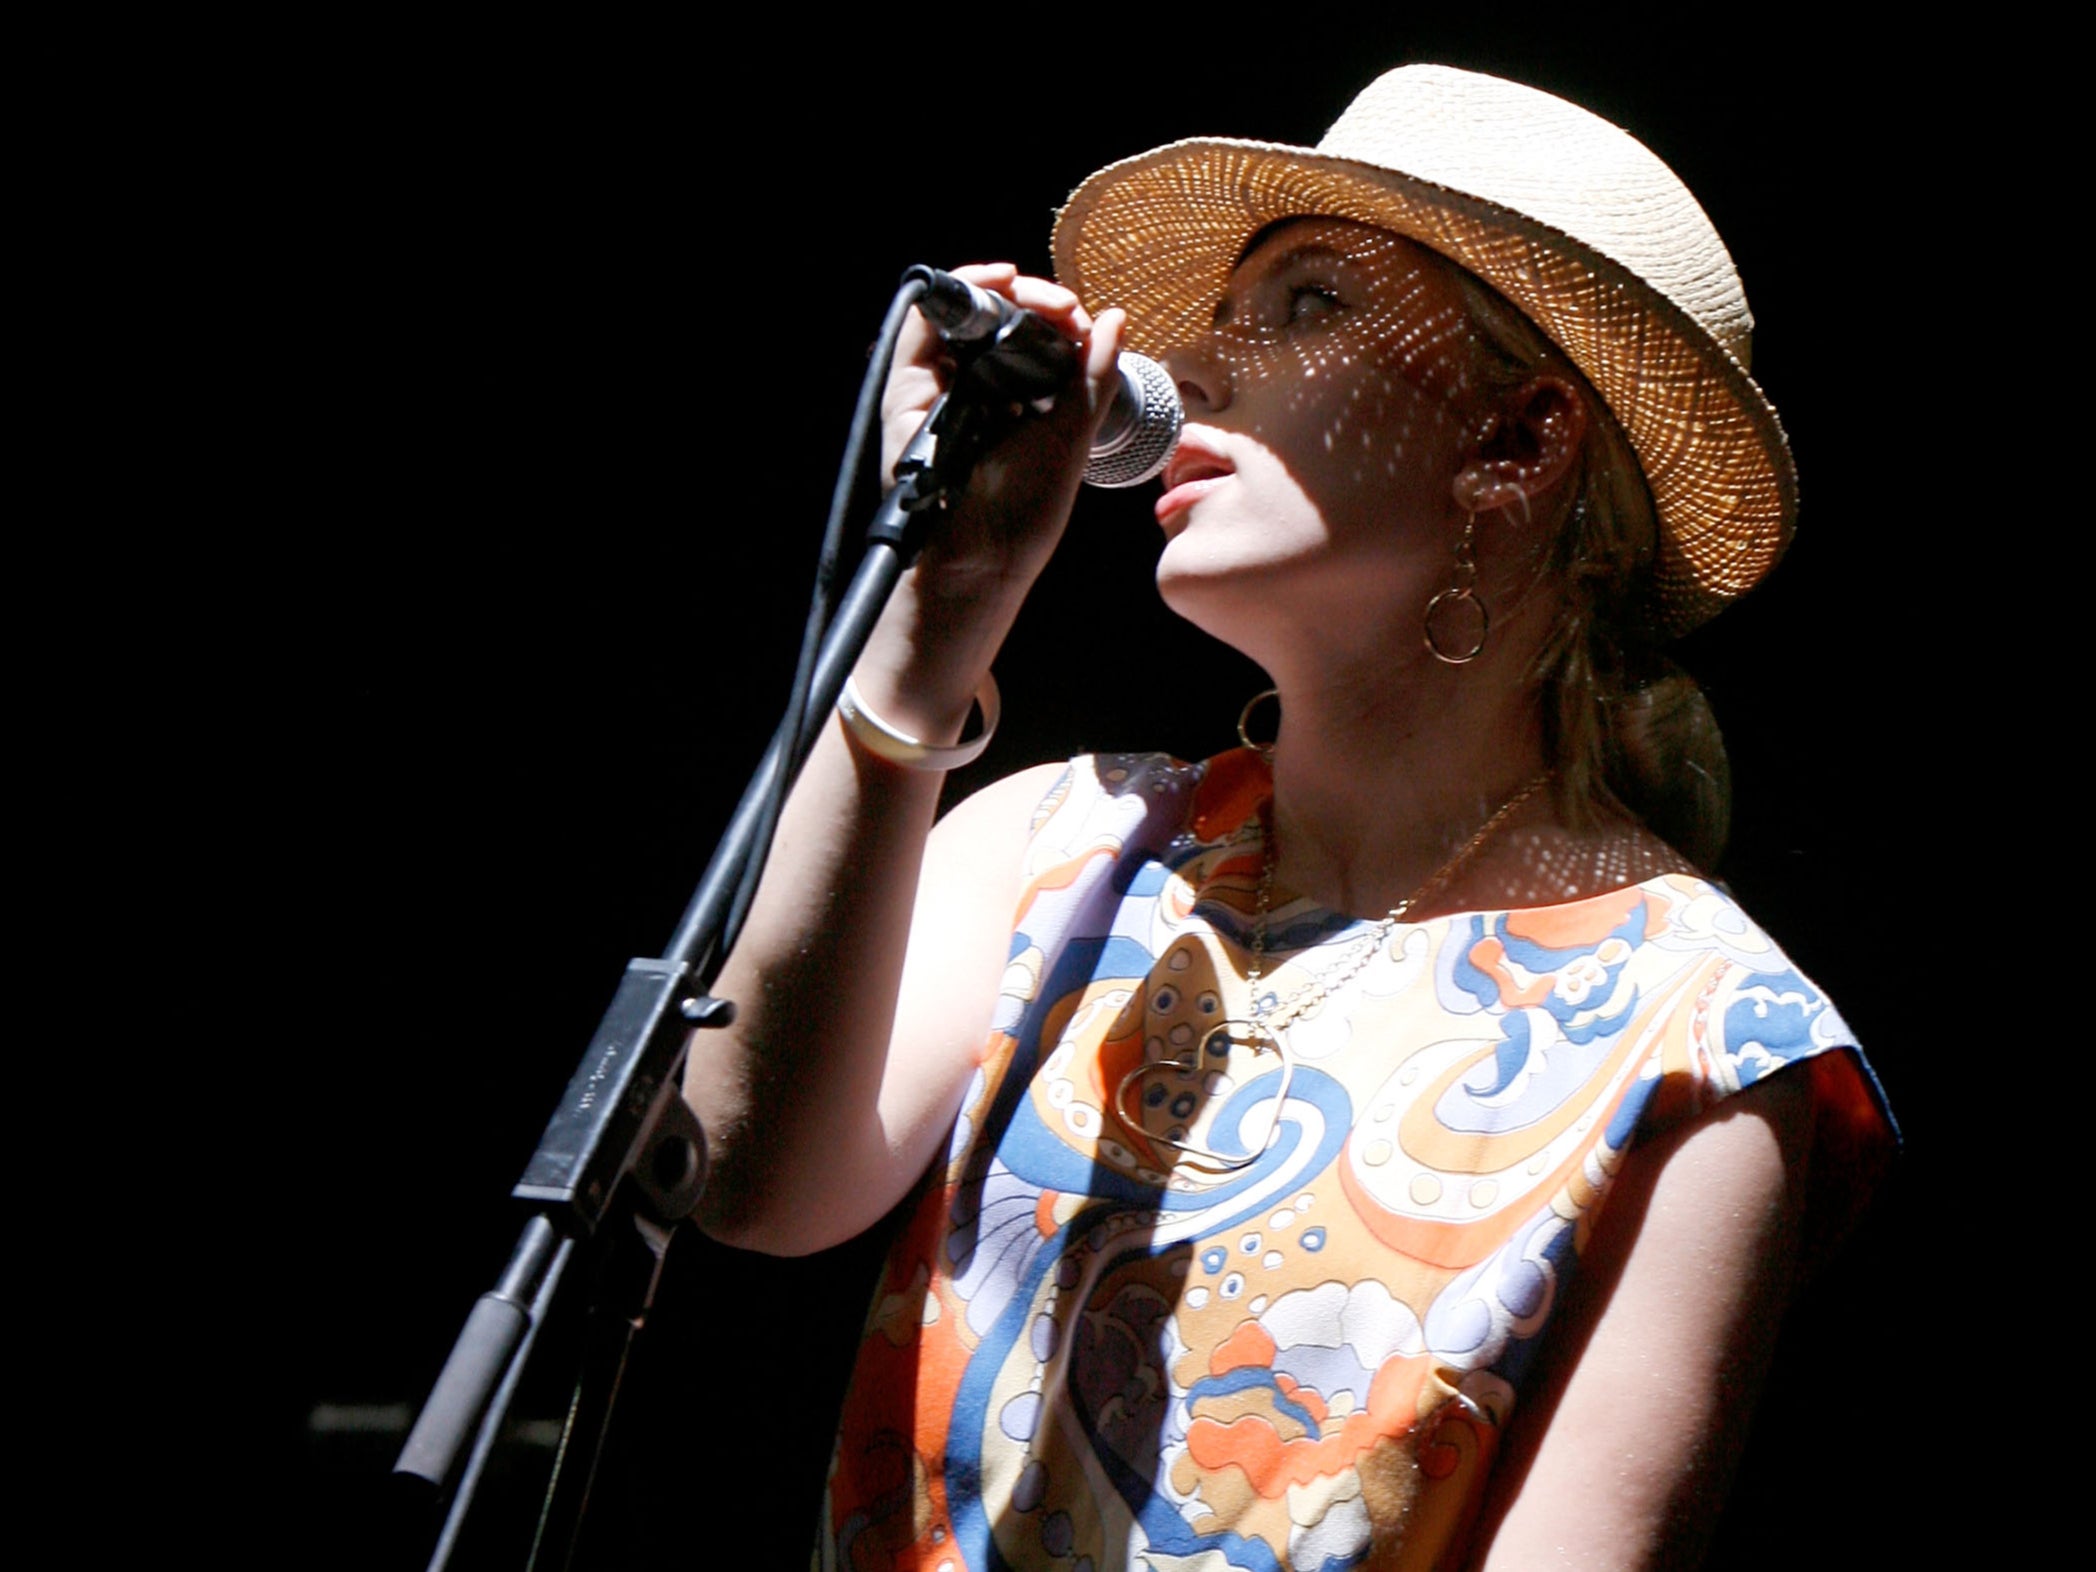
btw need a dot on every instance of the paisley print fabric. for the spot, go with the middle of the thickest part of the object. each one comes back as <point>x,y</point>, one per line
<point>1293,1345</point>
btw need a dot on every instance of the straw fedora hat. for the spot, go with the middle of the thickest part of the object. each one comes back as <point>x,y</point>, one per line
<point>1569,217</point>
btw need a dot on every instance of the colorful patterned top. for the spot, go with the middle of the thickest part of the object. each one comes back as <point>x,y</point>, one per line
<point>1091,1349</point>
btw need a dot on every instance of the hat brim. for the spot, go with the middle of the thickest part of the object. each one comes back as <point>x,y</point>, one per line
<point>1159,234</point>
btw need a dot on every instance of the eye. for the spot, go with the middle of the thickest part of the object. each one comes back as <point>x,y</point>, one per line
<point>1310,302</point>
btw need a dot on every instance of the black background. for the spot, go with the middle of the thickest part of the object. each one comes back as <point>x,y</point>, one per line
<point>439,424</point>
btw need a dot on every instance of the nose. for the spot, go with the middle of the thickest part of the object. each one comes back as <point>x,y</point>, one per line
<point>1202,377</point>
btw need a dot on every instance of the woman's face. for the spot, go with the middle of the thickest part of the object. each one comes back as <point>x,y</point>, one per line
<point>1329,409</point>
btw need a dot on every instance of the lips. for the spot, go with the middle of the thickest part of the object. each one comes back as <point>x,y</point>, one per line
<point>1195,470</point>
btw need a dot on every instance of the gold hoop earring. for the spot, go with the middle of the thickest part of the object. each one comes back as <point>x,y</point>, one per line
<point>1265,750</point>
<point>1456,621</point>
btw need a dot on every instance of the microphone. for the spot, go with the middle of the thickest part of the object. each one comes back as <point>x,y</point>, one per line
<point>1135,440</point>
<point>1023,358</point>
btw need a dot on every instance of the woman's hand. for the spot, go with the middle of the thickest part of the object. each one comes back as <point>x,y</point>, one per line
<point>950,613</point>
<point>1006,523</point>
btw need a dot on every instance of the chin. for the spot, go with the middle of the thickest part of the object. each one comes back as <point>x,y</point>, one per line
<point>1276,611</point>
<point>1231,606</point>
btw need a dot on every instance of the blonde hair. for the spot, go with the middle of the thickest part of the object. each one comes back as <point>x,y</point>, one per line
<point>1626,728</point>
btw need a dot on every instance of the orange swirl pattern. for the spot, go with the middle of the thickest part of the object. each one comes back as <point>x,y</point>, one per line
<point>1085,1351</point>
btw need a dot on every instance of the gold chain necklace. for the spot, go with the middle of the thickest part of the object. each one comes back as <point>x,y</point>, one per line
<point>1315,988</point>
<point>1261,1032</point>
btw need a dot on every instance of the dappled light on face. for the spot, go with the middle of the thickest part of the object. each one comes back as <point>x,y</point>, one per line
<point>1355,338</point>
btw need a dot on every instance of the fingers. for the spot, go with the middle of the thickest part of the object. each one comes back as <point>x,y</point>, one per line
<point>919,344</point>
<point>1104,348</point>
<point>1005,522</point>
<point>923,367</point>
<point>988,275</point>
<point>1043,297</point>
<point>1052,302</point>
<point>921,361</point>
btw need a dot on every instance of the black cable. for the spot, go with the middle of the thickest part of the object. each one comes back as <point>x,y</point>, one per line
<point>795,737</point>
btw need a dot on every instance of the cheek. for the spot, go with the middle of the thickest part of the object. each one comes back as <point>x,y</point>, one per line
<point>1356,436</point>
<point>1380,400</point>
<point>1383,432</point>
<point>1404,377</point>
<point>1414,327</point>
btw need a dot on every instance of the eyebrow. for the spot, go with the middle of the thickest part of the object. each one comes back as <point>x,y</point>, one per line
<point>1293,255</point>
<point>1307,251</point>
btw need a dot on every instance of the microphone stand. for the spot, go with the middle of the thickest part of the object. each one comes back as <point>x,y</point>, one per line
<point>622,1160</point>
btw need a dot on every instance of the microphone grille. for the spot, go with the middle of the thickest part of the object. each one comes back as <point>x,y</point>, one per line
<point>1140,430</point>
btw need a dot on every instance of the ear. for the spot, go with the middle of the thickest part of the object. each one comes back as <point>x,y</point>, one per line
<point>1525,449</point>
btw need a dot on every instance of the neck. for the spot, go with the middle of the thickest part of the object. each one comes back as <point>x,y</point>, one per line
<point>1383,772</point>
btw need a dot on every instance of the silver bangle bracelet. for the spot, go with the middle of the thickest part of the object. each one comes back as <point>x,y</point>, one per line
<point>877,737</point>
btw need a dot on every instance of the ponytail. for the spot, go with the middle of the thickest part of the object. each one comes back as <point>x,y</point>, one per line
<point>1627,729</point>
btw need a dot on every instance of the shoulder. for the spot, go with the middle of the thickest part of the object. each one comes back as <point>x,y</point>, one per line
<point>1705,1006</point>
<point>1757,1035</point>
<point>1000,838</point>
<point>1126,797</point>
<point>1004,808</point>
<point>1755,1012</point>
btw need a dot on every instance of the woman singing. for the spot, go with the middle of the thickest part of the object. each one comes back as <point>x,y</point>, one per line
<point>1379,1144</point>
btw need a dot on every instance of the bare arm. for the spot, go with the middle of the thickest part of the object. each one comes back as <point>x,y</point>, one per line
<point>1622,1456</point>
<point>865,976</point>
